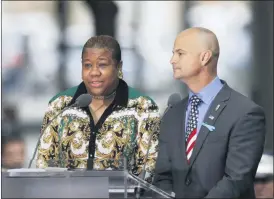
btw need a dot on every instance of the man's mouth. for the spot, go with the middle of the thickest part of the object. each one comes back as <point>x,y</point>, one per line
<point>175,68</point>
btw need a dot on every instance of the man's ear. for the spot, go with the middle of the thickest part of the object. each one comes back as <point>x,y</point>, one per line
<point>205,57</point>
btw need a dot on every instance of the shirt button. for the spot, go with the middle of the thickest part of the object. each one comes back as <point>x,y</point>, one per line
<point>91,156</point>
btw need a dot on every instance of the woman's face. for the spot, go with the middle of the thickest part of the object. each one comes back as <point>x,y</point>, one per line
<point>99,71</point>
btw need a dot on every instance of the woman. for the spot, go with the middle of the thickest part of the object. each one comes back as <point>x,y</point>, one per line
<point>118,122</point>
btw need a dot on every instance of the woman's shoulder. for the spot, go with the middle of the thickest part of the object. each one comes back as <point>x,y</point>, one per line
<point>62,98</point>
<point>66,93</point>
<point>138,98</point>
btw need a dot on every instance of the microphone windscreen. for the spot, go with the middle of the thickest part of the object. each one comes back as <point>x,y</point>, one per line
<point>83,100</point>
<point>173,99</point>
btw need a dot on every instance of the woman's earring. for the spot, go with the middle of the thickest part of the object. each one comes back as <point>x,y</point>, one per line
<point>120,74</point>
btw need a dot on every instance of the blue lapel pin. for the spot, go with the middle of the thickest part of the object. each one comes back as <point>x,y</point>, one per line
<point>209,127</point>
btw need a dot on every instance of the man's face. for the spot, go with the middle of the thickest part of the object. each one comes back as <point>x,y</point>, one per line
<point>264,190</point>
<point>99,71</point>
<point>185,59</point>
<point>14,155</point>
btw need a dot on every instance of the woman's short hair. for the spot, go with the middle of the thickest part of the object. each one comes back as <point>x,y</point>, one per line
<point>107,42</point>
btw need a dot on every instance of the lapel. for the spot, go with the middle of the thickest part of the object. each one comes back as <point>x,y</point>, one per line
<point>212,114</point>
<point>182,132</point>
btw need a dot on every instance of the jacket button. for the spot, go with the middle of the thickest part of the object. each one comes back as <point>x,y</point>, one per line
<point>188,182</point>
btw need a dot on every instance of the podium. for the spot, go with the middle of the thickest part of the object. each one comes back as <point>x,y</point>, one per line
<point>78,183</point>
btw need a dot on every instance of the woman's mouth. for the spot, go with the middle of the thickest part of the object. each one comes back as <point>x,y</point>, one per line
<point>96,84</point>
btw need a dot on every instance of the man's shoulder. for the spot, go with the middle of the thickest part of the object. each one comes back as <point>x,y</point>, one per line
<point>240,105</point>
<point>66,93</point>
<point>241,101</point>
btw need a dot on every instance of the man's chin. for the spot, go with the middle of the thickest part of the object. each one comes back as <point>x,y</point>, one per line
<point>177,77</point>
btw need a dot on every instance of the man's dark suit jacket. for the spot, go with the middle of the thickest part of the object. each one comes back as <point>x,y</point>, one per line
<point>224,161</point>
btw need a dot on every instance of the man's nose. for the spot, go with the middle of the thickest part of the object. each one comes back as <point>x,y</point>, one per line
<point>172,60</point>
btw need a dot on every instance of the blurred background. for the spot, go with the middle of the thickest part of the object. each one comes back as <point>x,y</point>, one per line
<point>42,43</point>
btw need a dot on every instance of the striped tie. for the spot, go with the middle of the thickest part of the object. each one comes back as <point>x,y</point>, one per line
<point>191,131</point>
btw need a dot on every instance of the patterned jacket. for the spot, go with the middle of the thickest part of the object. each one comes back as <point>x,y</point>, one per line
<point>123,130</point>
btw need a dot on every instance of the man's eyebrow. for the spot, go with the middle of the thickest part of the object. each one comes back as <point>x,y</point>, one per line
<point>178,50</point>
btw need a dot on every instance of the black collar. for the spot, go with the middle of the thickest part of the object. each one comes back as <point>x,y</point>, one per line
<point>121,97</point>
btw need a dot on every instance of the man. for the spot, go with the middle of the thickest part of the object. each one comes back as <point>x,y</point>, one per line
<point>13,152</point>
<point>264,177</point>
<point>212,141</point>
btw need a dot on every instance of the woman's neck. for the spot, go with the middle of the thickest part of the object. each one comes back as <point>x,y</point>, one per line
<point>105,97</point>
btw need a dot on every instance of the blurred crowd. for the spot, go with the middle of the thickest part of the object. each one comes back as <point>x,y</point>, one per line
<point>264,177</point>
<point>13,145</point>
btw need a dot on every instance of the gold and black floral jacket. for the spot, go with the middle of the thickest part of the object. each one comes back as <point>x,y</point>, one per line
<point>123,131</point>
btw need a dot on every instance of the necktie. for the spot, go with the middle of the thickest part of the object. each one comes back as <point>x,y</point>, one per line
<point>191,131</point>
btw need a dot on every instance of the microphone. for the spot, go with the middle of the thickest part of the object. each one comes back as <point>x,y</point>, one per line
<point>82,101</point>
<point>172,100</point>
